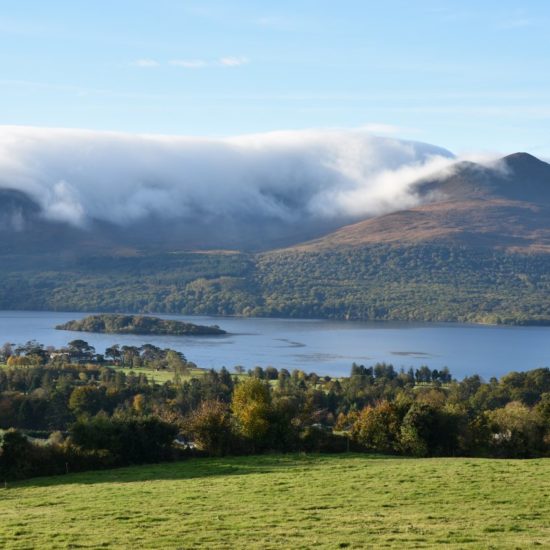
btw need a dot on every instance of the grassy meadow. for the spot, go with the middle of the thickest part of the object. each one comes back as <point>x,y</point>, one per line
<point>160,377</point>
<point>274,501</point>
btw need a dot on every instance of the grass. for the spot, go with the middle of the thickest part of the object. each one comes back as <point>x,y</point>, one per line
<point>273,501</point>
<point>159,376</point>
<point>162,376</point>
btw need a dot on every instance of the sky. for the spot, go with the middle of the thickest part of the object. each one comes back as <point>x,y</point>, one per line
<point>464,75</point>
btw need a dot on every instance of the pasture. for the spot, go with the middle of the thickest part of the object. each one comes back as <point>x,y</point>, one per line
<point>286,501</point>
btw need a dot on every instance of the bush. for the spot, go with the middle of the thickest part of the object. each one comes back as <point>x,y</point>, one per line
<point>21,458</point>
<point>128,441</point>
<point>516,431</point>
<point>209,426</point>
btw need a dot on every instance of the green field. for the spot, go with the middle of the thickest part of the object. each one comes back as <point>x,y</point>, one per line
<point>159,376</point>
<point>273,501</point>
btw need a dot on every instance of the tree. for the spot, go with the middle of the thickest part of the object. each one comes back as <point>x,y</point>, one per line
<point>81,350</point>
<point>14,451</point>
<point>209,426</point>
<point>377,428</point>
<point>429,430</point>
<point>383,370</point>
<point>85,400</point>
<point>423,375</point>
<point>517,431</point>
<point>139,403</point>
<point>445,375</point>
<point>113,352</point>
<point>271,373</point>
<point>129,354</point>
<point>127,440</point>
<point>6,351</point>
<point>176,362</point>
<point>251,406</point>
<point>258,372</point>
<point>34,351</point>
<point>150,352</point>
<point>543,408</point>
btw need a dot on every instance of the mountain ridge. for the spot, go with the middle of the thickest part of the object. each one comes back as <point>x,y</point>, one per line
<point>513,189</point>
<point>478,256</point>
<point>506,207</point>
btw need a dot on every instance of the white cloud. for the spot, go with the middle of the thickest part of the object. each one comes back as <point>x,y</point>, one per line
<point>297,178</point>
<point>231,61</point>
<point>145,63</point>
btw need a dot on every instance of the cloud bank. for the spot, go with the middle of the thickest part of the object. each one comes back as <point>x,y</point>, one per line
<point>291,178</point>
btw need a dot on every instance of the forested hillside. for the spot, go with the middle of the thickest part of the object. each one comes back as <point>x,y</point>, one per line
<point>423,282</point>
<point>426,282</point>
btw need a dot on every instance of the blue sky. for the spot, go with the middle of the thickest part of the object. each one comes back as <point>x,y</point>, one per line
<point>466,75</point>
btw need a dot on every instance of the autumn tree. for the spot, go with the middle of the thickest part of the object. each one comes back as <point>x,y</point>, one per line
<point>377,428</point>
<point>251,406</point>
<point>209,426</point>
<point>516,430</point>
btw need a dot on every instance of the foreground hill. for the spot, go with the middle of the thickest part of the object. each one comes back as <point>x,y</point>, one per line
<point>338,501</point>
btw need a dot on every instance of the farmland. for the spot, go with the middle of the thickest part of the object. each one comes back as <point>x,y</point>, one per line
<point>286,501</point>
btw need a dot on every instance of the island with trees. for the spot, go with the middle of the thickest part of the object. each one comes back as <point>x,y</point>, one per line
<point>139,324</point>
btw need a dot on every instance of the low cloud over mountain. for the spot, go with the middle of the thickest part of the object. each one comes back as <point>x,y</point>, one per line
<point>284,178</point>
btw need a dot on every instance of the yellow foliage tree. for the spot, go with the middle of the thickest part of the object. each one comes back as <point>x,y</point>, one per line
<point>251,406</point>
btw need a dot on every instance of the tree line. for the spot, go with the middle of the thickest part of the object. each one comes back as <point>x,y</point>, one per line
<point>73,409</point>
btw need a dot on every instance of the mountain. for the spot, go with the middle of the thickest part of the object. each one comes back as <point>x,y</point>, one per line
<point>505,207</point>
<point>475,249</point>
<point>478,250</point>
<point>25,230</point>
<point>501,206</point>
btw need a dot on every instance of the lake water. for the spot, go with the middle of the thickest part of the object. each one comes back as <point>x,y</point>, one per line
<point>325,347</point>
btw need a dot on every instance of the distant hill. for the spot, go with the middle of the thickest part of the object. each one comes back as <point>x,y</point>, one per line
<point>517,177</point>
<point>476,249</point>
<point>506,207</point>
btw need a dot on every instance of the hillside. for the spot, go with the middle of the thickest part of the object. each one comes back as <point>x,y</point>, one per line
<point>338,501</point>
<point>506,207</point>
<point>476,250</point>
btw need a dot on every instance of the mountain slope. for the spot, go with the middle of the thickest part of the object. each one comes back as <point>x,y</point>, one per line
<point>512,225</point>
<point>477,251</point>
<point>506,207</point>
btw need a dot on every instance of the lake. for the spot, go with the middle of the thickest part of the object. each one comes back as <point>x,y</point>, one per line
<point>325,347</point>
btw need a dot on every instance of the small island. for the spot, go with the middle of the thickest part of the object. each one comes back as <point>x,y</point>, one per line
<point>139,324</point>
